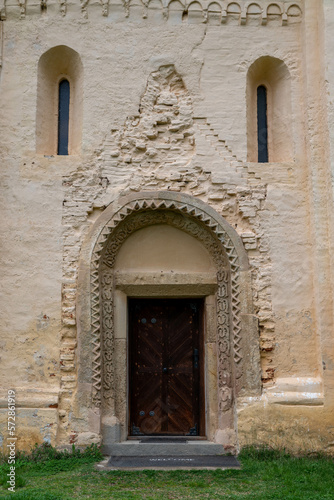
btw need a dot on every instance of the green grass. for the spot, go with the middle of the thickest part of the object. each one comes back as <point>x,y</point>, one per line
<point>265,475</point>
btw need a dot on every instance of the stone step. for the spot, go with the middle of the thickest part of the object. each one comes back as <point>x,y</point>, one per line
<point>170,463</point>
<point>183,448</point>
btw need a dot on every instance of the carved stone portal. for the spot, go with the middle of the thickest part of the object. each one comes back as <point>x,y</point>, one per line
<point>199,223</point>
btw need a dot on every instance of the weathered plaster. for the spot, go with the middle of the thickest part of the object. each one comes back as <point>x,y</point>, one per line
<point>161,106</point>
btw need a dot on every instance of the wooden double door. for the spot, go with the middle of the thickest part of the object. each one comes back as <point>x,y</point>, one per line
<point>166,365</point>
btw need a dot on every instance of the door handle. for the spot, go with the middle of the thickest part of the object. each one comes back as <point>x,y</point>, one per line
<point>196,358</point>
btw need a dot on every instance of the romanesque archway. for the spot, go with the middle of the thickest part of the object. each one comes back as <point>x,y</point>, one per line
<point>233,330</point>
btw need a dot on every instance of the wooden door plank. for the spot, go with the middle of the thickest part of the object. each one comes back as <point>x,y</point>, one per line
<point>184,386</point>
<point>146,348</point>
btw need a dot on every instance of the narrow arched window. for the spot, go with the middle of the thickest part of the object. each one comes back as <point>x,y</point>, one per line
<point>63,117</point>
<point>262,125</point>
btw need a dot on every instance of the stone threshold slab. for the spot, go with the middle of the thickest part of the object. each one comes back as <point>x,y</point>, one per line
<point>170,462</point>
<point>156,449</point>
<point>163,439</point>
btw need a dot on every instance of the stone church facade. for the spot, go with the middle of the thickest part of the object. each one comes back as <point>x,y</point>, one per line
<point>150,185</point>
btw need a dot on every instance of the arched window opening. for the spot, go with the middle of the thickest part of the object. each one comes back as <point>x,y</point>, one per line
<point>59,102</point>
<point>262,125</point>
<point>63,117</point>
<point>269,113</point>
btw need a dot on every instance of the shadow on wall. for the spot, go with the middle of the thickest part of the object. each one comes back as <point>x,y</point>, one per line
<point>56,65</point>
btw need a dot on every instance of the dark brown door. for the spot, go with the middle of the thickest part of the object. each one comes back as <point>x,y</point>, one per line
<point>165,366</point>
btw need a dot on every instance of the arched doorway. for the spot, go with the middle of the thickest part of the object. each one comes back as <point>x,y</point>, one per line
<point>163,275</point>
<point>160,247</point>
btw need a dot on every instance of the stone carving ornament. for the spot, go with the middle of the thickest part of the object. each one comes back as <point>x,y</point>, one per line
<point>132,217</point>
<point>287,12</point>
